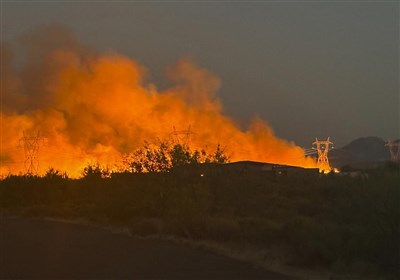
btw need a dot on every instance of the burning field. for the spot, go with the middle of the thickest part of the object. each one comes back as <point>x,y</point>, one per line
<point>95,107</point>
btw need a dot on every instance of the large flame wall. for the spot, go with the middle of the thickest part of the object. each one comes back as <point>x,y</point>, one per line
<point>94,107</point>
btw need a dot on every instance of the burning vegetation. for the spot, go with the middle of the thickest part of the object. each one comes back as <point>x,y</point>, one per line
<point>92,107</point>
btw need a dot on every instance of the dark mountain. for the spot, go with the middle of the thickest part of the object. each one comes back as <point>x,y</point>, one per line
<point>365,150</point>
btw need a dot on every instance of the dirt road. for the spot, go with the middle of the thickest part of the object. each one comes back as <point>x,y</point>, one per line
<point>31,248</point>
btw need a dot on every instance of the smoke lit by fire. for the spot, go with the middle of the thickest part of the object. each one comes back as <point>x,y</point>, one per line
<point>92,107</point>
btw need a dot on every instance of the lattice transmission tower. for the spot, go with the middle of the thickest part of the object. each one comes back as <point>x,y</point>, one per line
<point>31,151</point>
<point>182,137</point>
<point>394,148</point>
<point>323,147</point>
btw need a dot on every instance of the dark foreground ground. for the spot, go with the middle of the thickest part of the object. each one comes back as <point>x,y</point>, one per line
<point>46,249</point>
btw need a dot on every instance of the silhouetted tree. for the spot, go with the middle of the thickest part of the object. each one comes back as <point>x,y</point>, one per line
<point>164,157</point>
<point>220,155</point>
<point>95,171</point>
<point>55,174</point>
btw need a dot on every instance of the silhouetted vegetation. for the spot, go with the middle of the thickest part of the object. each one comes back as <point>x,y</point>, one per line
<point>336,222</point>
<point>165,157</point>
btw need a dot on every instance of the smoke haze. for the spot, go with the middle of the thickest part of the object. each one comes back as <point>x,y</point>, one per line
<point>92,107</point>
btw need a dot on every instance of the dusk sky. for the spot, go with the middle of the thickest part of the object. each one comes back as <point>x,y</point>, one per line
<point>310,69</point>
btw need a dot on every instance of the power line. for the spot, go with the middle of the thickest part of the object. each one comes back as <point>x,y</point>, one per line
<point>182,137</point>
<point>394,148</point>
<point>323,149</point>
<point>31,150</point>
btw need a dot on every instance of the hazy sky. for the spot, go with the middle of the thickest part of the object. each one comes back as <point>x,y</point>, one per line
<point>310,69</point>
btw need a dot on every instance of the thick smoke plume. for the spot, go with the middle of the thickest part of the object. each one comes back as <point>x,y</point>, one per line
<point>92,107</point>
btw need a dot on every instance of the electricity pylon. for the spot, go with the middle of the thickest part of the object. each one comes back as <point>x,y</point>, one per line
<point>31,149</point>
<point>323,149</point>
<point>394,148</point>
<point>182,137</point>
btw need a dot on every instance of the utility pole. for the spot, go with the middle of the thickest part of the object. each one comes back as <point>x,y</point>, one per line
<point>31,149</point>
<point>323,149</point>
<point>394,148</point>
<point>182,137</point>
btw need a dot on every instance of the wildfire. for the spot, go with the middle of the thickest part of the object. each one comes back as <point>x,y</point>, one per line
<point>95,108</point>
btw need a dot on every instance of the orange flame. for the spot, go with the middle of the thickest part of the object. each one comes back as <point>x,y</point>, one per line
<point>95,108</point>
